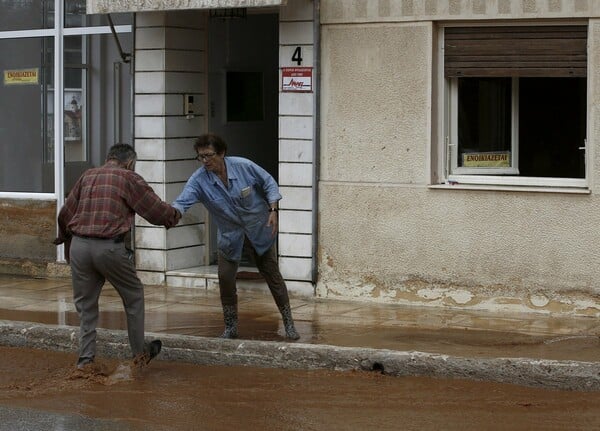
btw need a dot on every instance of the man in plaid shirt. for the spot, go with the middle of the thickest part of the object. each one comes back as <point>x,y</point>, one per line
<point>93,222</point>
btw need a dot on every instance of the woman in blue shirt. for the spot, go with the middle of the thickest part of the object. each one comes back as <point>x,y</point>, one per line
<point>243,200</point>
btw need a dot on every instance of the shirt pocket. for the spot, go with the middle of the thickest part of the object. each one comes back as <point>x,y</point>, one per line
<point>247,196</point>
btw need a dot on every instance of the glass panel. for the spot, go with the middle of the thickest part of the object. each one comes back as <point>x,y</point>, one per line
<point>75,16</point>
<point>552,127</point>
<point>484,122</point>
<point>245,96</point>
<point>94,72</point>
<point>26,14</point>
<point>26,115</point>
<point>73,51</point>
<point>75,118</point>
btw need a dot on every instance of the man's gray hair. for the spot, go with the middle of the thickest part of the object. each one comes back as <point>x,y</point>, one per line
<point>123,153</point>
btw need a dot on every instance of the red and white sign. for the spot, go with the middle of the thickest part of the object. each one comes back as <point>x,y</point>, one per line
<point>296,79</point>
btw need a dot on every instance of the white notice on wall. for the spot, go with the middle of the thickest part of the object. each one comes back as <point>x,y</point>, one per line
<point>296,79</point>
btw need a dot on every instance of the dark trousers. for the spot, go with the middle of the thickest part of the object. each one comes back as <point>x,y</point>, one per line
<point>267,266</point>
<point>93,261</point>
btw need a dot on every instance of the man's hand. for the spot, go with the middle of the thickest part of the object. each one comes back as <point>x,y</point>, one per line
<point>67,242</point>
<point>173,219</point>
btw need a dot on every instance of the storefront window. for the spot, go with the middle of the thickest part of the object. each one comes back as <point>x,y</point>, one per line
<point>26,150</point>
<point>26,14</point>
<point>93,80</point>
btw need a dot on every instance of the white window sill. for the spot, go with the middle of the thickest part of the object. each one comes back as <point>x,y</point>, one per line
<point>28,196</point>
<point>491,187</point>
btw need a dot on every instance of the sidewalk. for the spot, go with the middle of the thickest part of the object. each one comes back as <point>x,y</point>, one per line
<point>321,322</point>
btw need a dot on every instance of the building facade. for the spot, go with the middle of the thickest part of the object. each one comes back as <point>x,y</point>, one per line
<point>434,153</point>
<point>459,160</point>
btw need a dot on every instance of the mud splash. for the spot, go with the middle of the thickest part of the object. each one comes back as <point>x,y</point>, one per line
<point>108,376</point>
<point>65,378</point>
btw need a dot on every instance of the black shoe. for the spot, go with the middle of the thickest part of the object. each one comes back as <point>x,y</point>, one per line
<point>151,350</point>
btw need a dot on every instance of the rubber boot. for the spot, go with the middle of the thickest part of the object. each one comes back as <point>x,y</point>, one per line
<point>230,316</point>
<point>288,322</point>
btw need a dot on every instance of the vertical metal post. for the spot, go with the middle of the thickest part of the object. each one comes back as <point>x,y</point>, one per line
<point>59,185</point>
<point>316,138</point>
<point>117,102</point>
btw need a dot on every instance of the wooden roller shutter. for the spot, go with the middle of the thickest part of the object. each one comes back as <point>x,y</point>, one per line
<point>545,51</point>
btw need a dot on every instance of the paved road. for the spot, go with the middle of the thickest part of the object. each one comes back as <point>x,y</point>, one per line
<point>25,419</point>
<point>40,390</point>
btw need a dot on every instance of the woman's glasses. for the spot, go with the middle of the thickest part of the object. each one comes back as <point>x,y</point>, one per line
<point>205,156</point>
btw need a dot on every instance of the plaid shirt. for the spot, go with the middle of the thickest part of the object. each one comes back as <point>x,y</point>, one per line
<point>104,201</point>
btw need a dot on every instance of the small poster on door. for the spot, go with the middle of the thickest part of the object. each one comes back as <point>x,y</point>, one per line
<point>21,76</point>
<point>72,126</point>
<point>296,79</point>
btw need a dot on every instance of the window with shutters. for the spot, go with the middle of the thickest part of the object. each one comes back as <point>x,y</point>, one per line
<point>517,105</point>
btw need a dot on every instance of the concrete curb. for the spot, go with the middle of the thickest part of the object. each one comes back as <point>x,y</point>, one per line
<point>569,375</point>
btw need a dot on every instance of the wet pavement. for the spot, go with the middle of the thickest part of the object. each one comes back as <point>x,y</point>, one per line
<point>197,312</point>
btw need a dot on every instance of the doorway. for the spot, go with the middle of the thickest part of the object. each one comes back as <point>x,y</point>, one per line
<point>243,91</point>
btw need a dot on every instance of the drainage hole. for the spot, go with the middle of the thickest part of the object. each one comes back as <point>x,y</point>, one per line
<point>377,367</point>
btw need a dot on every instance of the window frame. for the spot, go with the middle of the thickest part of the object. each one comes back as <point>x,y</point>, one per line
<point>453,175</point>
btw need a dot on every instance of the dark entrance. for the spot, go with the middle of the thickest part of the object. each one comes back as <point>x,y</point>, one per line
<point>243,56</point>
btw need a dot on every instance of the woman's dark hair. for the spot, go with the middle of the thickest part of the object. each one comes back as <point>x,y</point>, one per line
<point>204,141</point>
<point>123,153</point>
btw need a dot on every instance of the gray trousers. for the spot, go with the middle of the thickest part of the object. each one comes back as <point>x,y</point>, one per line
<point>267,266</point>
<point>93,261</point>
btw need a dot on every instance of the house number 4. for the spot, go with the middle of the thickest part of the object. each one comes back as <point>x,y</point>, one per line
<point>297,55</point>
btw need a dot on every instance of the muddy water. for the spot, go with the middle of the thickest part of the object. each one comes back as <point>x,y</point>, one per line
<point>451,341</point>
<point>176,396</point>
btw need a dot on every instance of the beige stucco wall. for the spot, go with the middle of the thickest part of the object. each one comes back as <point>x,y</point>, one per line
<point>385,235</point>
<point>360,11</point>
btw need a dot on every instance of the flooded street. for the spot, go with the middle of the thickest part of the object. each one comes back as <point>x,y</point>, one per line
<point>39,388</point>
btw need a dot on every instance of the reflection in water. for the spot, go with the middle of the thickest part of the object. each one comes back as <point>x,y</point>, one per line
<point>62,310</point>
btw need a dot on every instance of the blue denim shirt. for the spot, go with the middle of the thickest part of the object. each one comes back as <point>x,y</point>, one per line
<point>240,210</point>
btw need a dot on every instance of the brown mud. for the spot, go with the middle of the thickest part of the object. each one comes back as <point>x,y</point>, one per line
<point>178,396</point>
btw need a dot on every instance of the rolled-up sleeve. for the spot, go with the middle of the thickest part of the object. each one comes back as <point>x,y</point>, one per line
<point>267,182</point>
